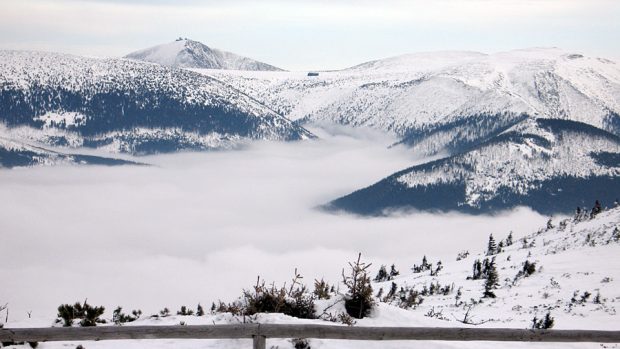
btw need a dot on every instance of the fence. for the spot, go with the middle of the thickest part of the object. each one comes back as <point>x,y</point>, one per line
<point>260,332</point>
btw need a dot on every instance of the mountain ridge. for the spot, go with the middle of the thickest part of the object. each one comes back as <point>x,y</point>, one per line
<point>128,106</point>
<point>434,93</point>
<point>531,164</point>
<point>186,53</point>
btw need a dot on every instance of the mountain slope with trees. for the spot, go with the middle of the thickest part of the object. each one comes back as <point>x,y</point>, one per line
<point>545,164</point>
<point>128,106</point>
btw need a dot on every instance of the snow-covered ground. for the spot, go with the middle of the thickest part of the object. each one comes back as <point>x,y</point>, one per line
<point>572,257</point>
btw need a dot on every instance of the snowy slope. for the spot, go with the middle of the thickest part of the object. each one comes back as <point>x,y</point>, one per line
<point>185,53</point>
<point>572,257</point>
<point>549,165</point>
<point>129,106</point>
<point>439,93</point>
<point>16,153</point>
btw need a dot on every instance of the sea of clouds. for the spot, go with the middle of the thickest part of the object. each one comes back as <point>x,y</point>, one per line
<point>198,227</point>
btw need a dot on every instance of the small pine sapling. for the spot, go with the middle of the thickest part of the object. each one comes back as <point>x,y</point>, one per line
<point>199,310</point>
<point>458,296</point>
<point>596,209</point>
<point>543,324</point>
<point>118,317</point>
<point>550,224</point>
<point>379,293</point>
<point>525,243</point>
<point>164,312</point>
<point>462,255</point>
<point>424,267</point>
<point>500,247</point>
<point>88,315</point>
<point>300,343</point>
<point>393,272</point>
<point>392,293</point>
<point>509,239</point>
<point>358,300</point>
<point>436,271</point>
<point>477,270</point>
<point>296,301</point>
<point>382,275</point>
<point>321,289</point>
<point>185,311</point>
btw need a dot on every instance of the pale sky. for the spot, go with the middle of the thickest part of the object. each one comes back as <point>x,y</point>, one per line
<point>304,34</point>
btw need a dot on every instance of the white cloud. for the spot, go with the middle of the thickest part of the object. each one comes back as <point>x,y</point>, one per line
<point>199,227</point>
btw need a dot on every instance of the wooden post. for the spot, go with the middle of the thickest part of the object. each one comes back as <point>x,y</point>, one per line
<point>260,342</point>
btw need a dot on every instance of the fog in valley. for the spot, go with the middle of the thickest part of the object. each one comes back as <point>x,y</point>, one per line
<point>198,227</point>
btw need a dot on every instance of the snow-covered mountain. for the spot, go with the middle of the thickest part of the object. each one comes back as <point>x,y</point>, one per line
<point>447,100</point>
<point>550,165</point>
<point>185,53</point>
<point>128,106</point>
<point>14,153</point>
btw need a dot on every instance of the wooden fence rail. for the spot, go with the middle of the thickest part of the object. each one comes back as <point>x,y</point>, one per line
<point>259,333</point>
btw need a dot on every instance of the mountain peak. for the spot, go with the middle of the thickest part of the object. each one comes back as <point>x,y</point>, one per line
<point>187,53</point>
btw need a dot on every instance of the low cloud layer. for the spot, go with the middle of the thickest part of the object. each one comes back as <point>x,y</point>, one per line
<point>199,227</point>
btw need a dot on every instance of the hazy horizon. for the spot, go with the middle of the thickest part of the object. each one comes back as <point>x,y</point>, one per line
<point>312,35</point>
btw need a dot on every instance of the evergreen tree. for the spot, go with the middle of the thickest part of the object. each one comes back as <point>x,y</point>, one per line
<point>509,239</point>
<point>118,317</point>
<point>596,209</point>
<point>358,300</point>
<point>321,289</point>
<point>543,324</point>
<point>492,246</point>
<point>550,224</point>
<point>185,311</point>
<point>392,293</point>
<point>436,271</point>
<point>88,314</point>
<point>424,267</point>
<point>477,270</point>
<point>457,298</point>
<point>393,272</point>
<point>380,293</point>
<point>492,281</point>
<point>382,274</point>
<point>199,310</point>
<point>616,235</point>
